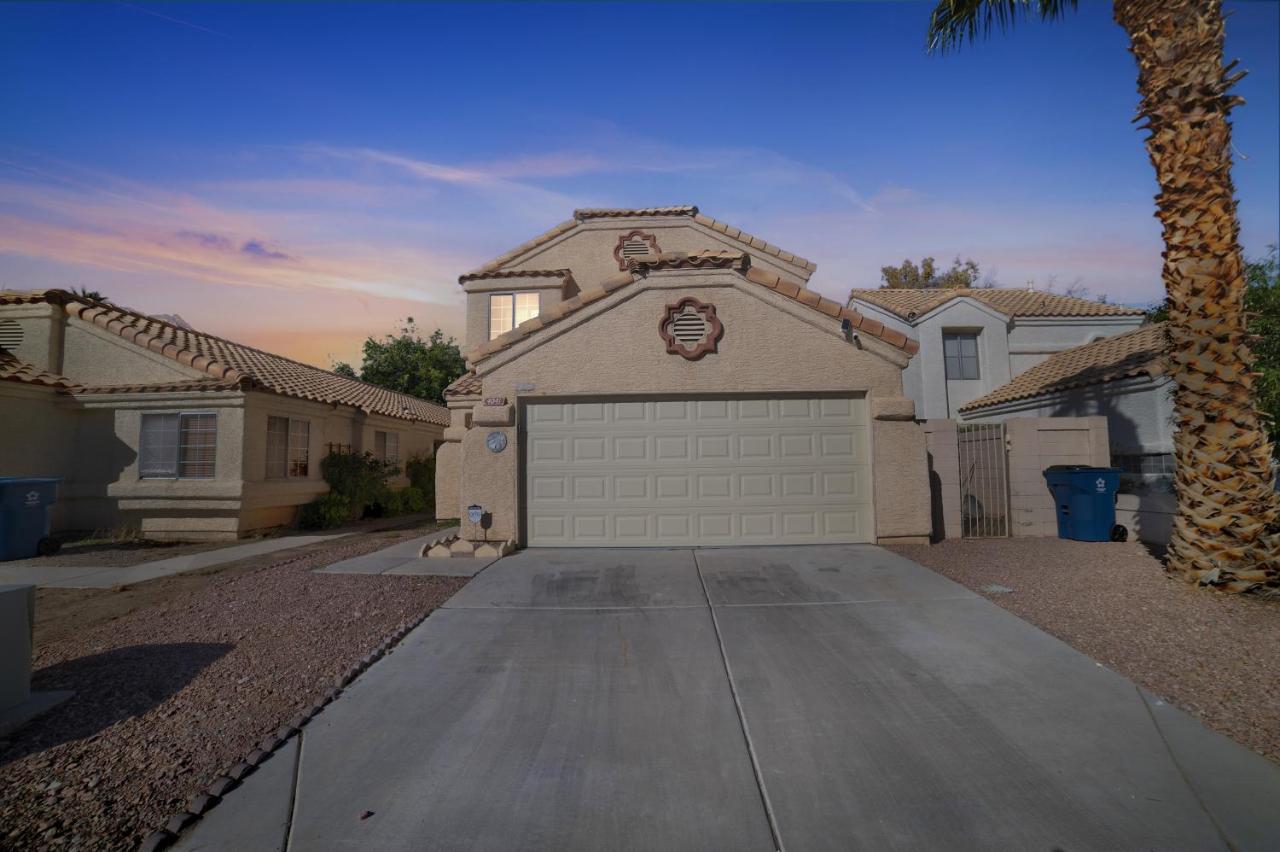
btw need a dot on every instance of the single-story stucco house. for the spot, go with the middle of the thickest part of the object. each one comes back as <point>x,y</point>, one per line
<point>650,377</point>
<point>179,434</point>
<point>972,341</point>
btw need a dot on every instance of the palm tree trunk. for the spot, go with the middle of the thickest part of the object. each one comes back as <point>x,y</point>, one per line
<point>1227,531</point>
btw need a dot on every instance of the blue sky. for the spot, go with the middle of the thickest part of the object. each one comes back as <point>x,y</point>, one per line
<point>298,176</point>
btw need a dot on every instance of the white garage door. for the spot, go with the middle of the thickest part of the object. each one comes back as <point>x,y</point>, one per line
<point>698,471</point>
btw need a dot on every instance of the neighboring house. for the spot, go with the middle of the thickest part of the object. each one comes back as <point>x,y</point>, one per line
<point>177,433</point>
<point>1122,378</point>
<point>972,341</point>
<point>655,377</point>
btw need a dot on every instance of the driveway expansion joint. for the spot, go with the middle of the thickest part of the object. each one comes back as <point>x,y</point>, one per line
<point>742,718</point>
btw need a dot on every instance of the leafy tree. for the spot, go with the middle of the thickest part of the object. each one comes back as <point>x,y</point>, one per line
<point>86,293</point>
<point>911,277</point>
<point>407,363</point>
<point>1227,530</point>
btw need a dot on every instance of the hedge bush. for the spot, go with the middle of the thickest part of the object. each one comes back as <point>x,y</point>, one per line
<point>413,500</point>
<point>421,471</point>
<point>325,512</point>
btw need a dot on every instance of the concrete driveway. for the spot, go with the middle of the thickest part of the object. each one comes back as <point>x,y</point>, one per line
<point>799,698</point>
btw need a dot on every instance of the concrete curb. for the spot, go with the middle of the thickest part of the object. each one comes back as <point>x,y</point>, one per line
<point>209,797</point>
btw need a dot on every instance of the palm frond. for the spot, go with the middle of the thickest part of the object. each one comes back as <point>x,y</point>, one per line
<point>954,22</point>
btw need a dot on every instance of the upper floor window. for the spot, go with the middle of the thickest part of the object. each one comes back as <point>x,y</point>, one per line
<point>508,310</point>
<point>960,350</point>
<point>288,448</point>
<point>386,446</point>
<point>178,446</point>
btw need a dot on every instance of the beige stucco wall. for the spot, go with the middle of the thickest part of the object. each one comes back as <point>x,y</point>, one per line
<point>37,435</point>
<point>93,356</point>
<point>942,441</point>
<point>588,248</point>
<point>770,345</point>
<point>550,290</point>
<point>42,328</point>
<point>1037,443</point>
<point>268,501</point>
<point>93,442</point>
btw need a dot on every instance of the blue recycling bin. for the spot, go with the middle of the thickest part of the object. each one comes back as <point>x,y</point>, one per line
<point>24,515</point>
<point>1085,500</point>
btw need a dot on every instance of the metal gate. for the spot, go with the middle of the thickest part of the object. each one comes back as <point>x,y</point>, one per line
<point>984,481</point>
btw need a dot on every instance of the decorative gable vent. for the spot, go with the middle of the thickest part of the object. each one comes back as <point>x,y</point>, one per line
<point>10,334</point>
<point>632,245</point>
<point>690,328</point>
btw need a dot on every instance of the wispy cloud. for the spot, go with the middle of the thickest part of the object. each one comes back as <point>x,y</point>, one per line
<point>327,225</point>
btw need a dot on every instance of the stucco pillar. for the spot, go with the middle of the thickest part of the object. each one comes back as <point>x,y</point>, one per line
<point>942,444</point>
<point>491,481</point>
<point>901,473</point>
<point>448,455</point>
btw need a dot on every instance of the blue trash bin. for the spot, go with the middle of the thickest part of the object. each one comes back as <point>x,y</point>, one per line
<point>1085,500</point>
<point>24,515</point>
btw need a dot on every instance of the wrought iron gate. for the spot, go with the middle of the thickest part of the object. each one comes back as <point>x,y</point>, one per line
<point>984,481</point>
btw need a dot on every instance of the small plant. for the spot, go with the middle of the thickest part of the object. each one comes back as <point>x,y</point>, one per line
<point>413,500</point>
<point>325,512</point>
<point>421,471</point>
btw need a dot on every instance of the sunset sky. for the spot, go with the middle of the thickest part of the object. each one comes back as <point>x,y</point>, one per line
<point>298,177</point>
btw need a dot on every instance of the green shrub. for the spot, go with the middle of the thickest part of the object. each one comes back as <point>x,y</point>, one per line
<point>421,471</point>
<point>324,512</point>
<point>413,500</point>
<point>360,479</point>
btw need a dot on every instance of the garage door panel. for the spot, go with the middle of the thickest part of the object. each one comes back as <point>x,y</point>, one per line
<point>704,472</point>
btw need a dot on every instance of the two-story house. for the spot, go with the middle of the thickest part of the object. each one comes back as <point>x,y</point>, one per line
<point>650,377</point>
<point>973,341</point>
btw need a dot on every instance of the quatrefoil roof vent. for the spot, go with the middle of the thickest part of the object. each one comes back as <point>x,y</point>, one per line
<point>634,244</point>
<point>690,328</point>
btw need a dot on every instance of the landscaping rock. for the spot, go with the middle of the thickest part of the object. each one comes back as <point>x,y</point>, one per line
<point>222,785</point>
<point>179,822</point>
<point>157,840</point>
<point>201,803</point>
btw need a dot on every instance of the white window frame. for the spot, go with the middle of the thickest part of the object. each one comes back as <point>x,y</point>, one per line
<point>172,466</point>
<point>296,448</point>
<point>515,313</point>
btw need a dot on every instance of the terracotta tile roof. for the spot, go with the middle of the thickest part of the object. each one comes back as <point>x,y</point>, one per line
<point>910,304</point>
<point>626,212</point>
<point>15,370</point>
<point>228,362</point>
<point>737,261</point>
<point>563,274</point>
<point>468,384</point>
<point>162,387</point>
<point>1140,352</point>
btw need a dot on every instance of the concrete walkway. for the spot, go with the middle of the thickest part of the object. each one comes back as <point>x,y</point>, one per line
<point>89,577</point>
<point>407,558</point>
<point>769,698</point>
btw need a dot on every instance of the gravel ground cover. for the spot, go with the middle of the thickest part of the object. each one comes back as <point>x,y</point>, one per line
<point>182,681</point>
<point>1216,656</point>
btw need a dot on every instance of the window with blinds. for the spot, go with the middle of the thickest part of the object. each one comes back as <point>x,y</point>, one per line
<point>288,448</point>
<point>508,310</point>
<point>960,354</point>
<point>178,446</point>
<point>386,446</point>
